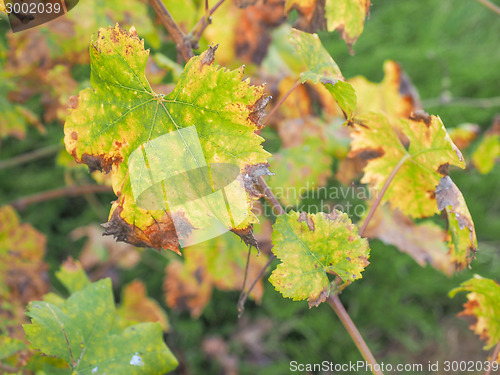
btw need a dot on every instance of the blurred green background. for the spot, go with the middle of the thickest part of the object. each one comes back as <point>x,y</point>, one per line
<point>448,48</point>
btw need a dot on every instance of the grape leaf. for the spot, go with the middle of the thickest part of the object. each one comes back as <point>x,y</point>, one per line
<point>78,331</point>
<point>462,242</point>
<point>488,151</point>
<point>128,116</point>
<point>323,69</point>
<point>395,95</point>
<point>2,8</point>
<point>345,16</point>
<point>484,305</point>
<point>310,247</point>
<point>430,153</point>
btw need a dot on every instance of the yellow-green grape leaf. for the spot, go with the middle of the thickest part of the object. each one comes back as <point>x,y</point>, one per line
<point>299,169</point>
<point>487,153</point>
<point>323,69</point>
<point>430,152</point>
<point>395,95</point>
<point>347,17</point>
<point>483,303</point>
<point>78,331</point>
<point>122,114</point>
<point>2,7</point>
<point>462,242</point>
<point>312,246</point>
<point>137,307</point>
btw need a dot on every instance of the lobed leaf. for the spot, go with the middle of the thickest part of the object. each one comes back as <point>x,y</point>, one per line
<point>313,246</point>
<point>345,16</point>
<point>323,69</point>
<point>421,165</point>
<point>78,331</point>
<point>484,305</point>
<point>127,116</point>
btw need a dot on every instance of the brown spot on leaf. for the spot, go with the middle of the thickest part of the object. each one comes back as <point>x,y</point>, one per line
<point>309,221</point>
<point>73,101</point>
<point>257,110</point>
<point>443,169</point>
<point>446,194</point>
<point>74,135</point>
<point>247,236</point>
<point>421,116</point>
<point>209,56</point>
<point>370,153</point>
<point>251,173</point>
<point>323,295</point>
<point>101,162</point>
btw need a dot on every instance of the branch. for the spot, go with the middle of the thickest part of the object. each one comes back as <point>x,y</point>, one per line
<point>494,357</point>
<point>198,29</point>
<point>69,191</point>
<point>349,325</point>
<point>276,107</point>
<point>464,102</point>
<point>181,42</point>
<point>381,194</point>
<point>490,5</point>
<point>33,155</point>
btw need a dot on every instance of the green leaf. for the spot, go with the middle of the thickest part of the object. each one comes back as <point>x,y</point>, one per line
<point>486,154</point>
<point>127,115</point>
<point>79,333</point>
<point>323,69</point>
<point>347,17</point>
<point>313,246</point>
<point>427,158</point>
<point>483,304</point>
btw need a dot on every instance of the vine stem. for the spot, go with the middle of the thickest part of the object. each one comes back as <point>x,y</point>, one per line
<point>494,356</point>
<point>68,191</point>
<point>29,156</point>
<point>381,194</point>
<point>181,42</point>
<point>334,302</point>
<point>276,107</point>
<point>490,5</point>
<point>202,24</point>
<point>275,204</point>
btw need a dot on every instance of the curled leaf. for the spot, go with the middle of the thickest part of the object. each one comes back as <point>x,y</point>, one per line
<point>483,303</point>
<point>463,242</point>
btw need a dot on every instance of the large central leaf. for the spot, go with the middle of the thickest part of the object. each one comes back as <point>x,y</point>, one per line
<point>122,114</point>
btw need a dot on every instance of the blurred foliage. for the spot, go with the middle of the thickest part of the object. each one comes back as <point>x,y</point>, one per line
<point>448,49</point>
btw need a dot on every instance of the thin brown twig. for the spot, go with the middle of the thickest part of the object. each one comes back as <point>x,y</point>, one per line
<point>69,191</point>
<point>275,204</point>
<point>30,156</point>
<point>494,357</point>
<point>198,29</point>
<point>181,42</point>
<point>349,325</point>
<point>490,5</point>
<point>276,107</point>
<point>381,194</point>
